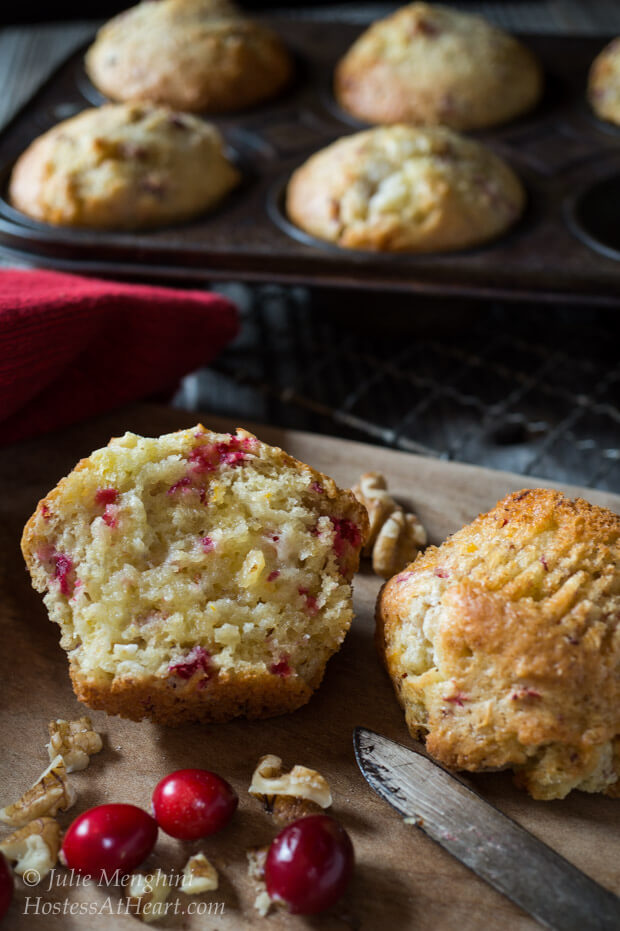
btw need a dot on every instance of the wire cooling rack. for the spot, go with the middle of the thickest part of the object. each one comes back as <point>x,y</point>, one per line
<point>535,390</point>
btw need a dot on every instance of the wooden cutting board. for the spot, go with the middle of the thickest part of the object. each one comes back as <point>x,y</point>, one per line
<point>402,879</point>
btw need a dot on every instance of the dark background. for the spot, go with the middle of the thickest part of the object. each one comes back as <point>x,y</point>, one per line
<point>29,11</point>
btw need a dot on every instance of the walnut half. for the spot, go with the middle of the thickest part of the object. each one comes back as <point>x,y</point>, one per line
<point>74,741</point>
<point>34,847</point>
<point>288,796</point>
<point>50,793</point>
<point>395,536</point>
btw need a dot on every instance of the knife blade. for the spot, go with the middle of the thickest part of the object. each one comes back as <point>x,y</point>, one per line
<point>490,843</point>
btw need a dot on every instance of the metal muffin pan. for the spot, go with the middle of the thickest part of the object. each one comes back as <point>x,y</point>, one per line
<point>562,152</point>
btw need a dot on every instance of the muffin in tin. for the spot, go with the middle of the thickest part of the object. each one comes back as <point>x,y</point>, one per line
<point>430,65</point>
<point>123,166</point>
<point>604,83</point>
<point>194,55</point>
<point>405,189</point>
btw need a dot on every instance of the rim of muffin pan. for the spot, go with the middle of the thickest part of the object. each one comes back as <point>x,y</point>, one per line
<point>591,214</point>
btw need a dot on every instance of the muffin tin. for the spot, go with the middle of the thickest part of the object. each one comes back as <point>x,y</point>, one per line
<point>566,247</point>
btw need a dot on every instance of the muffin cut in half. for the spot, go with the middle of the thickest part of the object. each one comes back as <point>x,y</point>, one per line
<point>196,576</point>
<point>503,644</point>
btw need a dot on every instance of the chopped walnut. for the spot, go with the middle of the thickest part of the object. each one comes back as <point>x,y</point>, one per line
<point>50,793</point>
<point>371,491</point>
<point>199,875</point>
<point>256,871</point>
<point>395,536</point>
<point>147,894</point>
<point>34,847</point>
<point>256,862</point>
<point>284,808</point>
<point>262,903</point>
<point>397,543</point>
<point>288,796</point>
<point>74,741</point>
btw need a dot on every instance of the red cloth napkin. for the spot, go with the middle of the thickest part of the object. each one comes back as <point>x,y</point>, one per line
<point>72,347</point>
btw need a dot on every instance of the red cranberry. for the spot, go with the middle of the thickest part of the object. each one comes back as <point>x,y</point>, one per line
<point>105,496</point>
<point>6,886</point>
<point>63,573</point>
<point>281,667</point>
<point>311,602</point>
<point>109,838</point>
<point>184,484</point>
<point>198,659</point>
<point>309,864</point>
<point>345,532</point>
<point>203,458</point>
<point>192,803</point>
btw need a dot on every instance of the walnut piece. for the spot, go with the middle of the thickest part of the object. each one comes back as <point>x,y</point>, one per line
<point>50,793</point>
<point>397,544</point>
<point>371,491</point>
<point>288,796</point>
<point>285,808</point>
<point>262,903</point>
<point>74,741</point>
<point>147,894</point>
<point>199,875</point>
<point>256,871</point>
<point>34,847</point>
<point>395,536</point>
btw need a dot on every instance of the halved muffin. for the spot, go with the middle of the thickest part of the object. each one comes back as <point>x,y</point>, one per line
<point>196,576</point>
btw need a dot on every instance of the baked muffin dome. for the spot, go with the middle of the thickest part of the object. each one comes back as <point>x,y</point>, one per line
<point>405,189</point>
<point>428,64</point>
<point>197,576</point>
<point>122,166</point>
<point>189,54</point>
<point>503,644</point>
<point>604,83</point>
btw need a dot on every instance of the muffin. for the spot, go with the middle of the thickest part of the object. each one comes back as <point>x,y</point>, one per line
<point>404,189</point>
<point>430,65</point>
<point>122,166</point>
<point>197,576</point>
<point>189,54</point>
<point>503,644</point>
<point>604,83</point>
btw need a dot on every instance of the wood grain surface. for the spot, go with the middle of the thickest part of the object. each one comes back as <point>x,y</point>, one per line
<point>402,879</point>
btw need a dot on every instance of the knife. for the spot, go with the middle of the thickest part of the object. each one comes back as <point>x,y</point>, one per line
<point>494,846</point>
